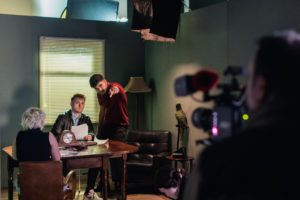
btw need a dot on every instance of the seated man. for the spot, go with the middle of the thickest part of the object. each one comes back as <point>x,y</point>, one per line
<point>73,117</point>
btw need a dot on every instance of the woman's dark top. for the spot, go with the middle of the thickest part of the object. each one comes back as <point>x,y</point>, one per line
<point>33,145</point>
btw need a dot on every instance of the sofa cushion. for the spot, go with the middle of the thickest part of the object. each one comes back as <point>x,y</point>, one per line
<point>154,146</point>
<point>145,160</point>
<point>150,142</point>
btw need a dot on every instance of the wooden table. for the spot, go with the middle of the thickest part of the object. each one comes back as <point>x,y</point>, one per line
<point>91,157</point>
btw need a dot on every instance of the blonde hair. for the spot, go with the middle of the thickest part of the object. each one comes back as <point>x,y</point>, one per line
<point>33,118</point>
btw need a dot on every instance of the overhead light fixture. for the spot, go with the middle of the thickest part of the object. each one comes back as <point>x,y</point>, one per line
<point>156,20</point>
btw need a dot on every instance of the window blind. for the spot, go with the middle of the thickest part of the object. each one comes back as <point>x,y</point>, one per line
<point>66,65</point>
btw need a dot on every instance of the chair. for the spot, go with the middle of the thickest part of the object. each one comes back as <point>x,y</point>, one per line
<point>154,146</point>
<point>44,180</point>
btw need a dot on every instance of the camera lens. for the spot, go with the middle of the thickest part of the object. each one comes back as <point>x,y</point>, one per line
<point>202,118</point>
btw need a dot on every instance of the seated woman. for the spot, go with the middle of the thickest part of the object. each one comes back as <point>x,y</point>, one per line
<point>31,143</point>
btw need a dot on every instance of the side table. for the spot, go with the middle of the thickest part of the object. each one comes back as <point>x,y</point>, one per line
<point>184,162</point>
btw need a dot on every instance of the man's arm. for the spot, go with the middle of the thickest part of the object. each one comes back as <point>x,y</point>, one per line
<point>57,128</point>
<point>90,125</point>
<point>101,119</point>
<point>90,129</point>
<point>101,115</point>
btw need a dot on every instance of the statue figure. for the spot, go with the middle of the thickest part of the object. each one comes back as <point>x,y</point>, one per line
<point>183,133</point>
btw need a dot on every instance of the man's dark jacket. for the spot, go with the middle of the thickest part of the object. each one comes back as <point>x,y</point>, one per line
<point>65,122</point>
<point>263,162</point>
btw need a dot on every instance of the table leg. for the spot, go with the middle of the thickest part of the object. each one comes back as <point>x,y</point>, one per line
<point>175,164</point>
<point>104,177</point>
<point>124,176</point>
<point>10,169</point>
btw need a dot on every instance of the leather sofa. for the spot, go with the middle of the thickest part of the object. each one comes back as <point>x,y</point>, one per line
<point>154,146</point>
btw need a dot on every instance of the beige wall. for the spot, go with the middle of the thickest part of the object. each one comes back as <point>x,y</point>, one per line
<point>41,8</point>
<point>44,8</point>
<point>16,7</point>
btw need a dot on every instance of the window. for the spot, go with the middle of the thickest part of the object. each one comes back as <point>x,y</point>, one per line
<point>66,65</point>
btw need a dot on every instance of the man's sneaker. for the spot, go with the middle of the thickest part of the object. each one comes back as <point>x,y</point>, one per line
<point>91,196</point>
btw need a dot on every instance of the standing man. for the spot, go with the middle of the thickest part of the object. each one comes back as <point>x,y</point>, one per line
<point>73,117</point>
<point>113,116</point>
<point>262,162</point>
<point>113,122</point>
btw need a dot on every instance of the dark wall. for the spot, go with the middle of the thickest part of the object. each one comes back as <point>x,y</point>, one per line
<point>211,37</point>
<point>195,4</point>
<point>200,43</point>
<point>19,64</point>
<point>250,19</point>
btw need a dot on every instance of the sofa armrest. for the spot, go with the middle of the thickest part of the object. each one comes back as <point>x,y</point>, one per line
<point>160,160</point>
<point>161,155</point>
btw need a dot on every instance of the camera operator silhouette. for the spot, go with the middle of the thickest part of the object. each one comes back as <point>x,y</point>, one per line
<point>262,161</point>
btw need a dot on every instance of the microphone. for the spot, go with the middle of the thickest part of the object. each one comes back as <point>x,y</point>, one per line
<point>203,80</point>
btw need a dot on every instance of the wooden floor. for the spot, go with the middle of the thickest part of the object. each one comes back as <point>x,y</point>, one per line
<point>79,196</point>
<point>132,195</point>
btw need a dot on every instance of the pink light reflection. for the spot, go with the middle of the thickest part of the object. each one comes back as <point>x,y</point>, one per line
<point>214,130</point>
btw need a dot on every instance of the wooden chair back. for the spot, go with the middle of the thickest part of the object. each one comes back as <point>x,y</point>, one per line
<point>42,180</point>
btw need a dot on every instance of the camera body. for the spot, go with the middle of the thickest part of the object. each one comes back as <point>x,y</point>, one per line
<point>230,110</point>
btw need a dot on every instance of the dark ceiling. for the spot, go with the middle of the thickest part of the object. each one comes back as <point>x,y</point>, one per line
<point>195,4</point>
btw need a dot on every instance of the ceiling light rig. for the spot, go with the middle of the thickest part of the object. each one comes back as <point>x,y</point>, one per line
<point>156,20</point>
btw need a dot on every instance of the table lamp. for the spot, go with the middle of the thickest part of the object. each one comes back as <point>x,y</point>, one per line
<point>137,85</point>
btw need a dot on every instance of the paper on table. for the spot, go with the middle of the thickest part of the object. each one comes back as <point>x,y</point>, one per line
<point>80,131</point>
<point>67,152</point>
<point>100,141</point>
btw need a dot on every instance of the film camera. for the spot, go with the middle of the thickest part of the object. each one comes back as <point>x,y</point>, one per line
<point>229,112</point>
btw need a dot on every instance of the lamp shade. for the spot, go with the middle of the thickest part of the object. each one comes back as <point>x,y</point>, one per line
<point>137,85</point>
